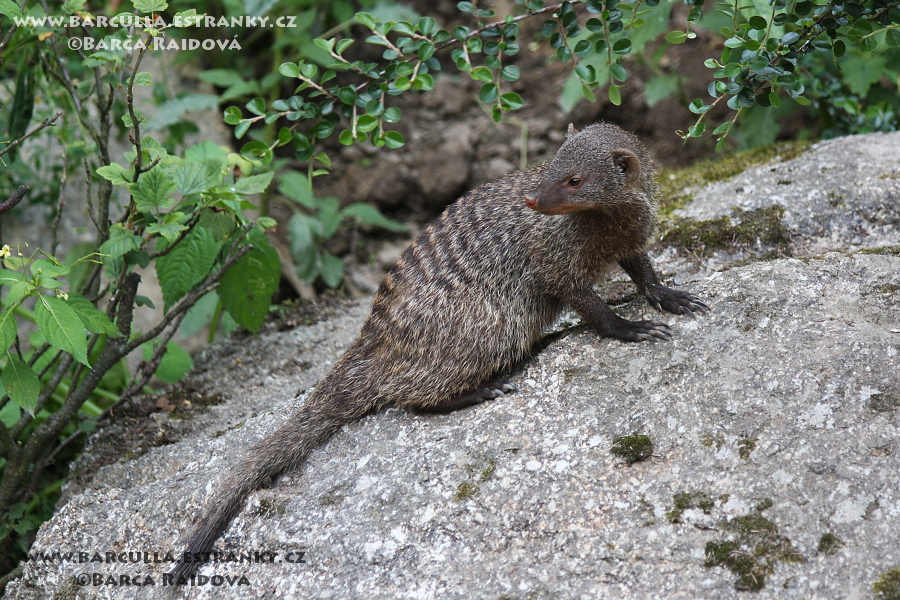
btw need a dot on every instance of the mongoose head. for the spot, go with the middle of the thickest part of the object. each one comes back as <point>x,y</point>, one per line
<point>596,167</point>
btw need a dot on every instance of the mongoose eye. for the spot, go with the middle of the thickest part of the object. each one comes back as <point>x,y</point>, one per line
<point>574,182</point>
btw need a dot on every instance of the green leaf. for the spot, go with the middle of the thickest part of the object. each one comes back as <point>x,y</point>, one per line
<point>256,150</point>
<point>150,6</point>
<point>191,178</point>
<point>296,186</point>
<point>221,77</point>
<point>329,216</point>
<point>789,38</point>
<point>172,111</point>
<point>10,9</point>
<point>615,96</point>
<point>20,383</point>
<point>246,288</point>
<point>144,301</point>
<point>254,184</point>
<point>115,173</point>
<point>7,330</point>
<point>302,234</point>
<point>366,123</point>
<point>232,115</point>
<point>143,79</point>
<point>393,139</point>
<point>121,241</point>
<point>758,22</point>
<point>266,223</point>
<point>332,270</point>
<point>369,215</point>
<point>207,150</point>
<point>170,228</point>
<point>257,106</point>
<point>510,73</point>
<point>175,363</point>
<point>93,319</point>
<point>61,325</point>
<point>892,38</point>
<point>153,190</point>
<point>8,277</point>
<point>488,93</point>
<point>186,265</point>
<point>618,72</point>
<point>511,100</point>
<point>676,37</point>
<point>622,46</point>
<point>723,128</point>
<point>366,20</point>
<point>481,74</point>
<point>289,69</point>
<point>862,72</point>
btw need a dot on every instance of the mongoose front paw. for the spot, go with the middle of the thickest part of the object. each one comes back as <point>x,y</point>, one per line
<point>675,301</point>
<point>640,331</point>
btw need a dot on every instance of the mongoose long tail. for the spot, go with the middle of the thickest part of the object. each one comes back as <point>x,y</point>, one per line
<point>281,451</point>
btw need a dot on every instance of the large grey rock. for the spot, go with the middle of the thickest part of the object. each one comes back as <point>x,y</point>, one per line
<point>775,420</point>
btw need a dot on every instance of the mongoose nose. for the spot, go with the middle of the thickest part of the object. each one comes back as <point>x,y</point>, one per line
<point>531,201</point>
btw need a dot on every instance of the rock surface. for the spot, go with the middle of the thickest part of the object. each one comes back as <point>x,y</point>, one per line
<point>775,421</point>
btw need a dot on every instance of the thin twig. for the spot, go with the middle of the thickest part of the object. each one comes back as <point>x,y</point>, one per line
<point>48,122</point>
<point>14,199</point>
<point>54,227</point>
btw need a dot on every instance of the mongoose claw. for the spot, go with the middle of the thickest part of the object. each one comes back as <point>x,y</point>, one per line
<point>643,331</point>
<point>676,302</point>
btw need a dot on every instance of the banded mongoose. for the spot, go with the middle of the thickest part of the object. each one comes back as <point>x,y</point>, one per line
<point>471,296</point>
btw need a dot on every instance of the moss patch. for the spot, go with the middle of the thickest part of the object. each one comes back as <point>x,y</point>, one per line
<point>742,229</point>
<point>487,473</point>
<point>884,402</point>
<point>712,440</point>
<point>633,448</point>
<point>746,445</point>
<point>672,182</point>
<point>753,549</point>
<point>465,491</point>
<point>687,500</point>
<point>829,544</point>
<point>888,585</point>
<point>889,250</point>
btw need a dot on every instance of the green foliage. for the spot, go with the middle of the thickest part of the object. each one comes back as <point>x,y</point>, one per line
<point>767,51</point>
<point>780,55</point>
<point>247,288</point>
<point>315,221</point>
<point>66,325</point>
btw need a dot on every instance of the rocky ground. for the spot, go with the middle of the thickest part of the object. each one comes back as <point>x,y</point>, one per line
<point>771,425</point>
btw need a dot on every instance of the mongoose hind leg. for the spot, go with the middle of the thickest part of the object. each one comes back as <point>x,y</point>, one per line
<point>660,297</point>
<point>490,390</point>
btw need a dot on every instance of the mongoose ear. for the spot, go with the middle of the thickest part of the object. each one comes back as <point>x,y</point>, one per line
<point>571,130</point>
<point>627,161</point>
